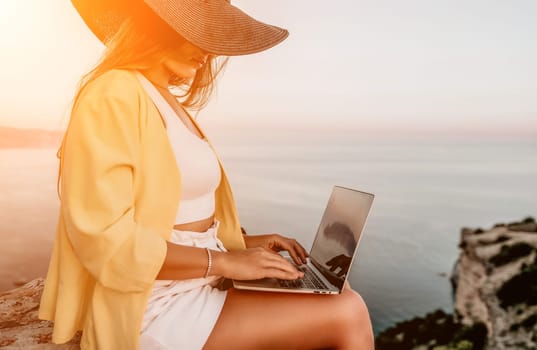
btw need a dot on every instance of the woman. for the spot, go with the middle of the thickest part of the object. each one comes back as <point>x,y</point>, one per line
<point>148,227</point>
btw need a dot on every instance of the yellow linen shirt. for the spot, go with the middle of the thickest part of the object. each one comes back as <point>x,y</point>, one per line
<point>120,190</point>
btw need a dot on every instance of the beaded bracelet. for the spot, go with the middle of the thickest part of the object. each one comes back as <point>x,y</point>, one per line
<point>210,262</point>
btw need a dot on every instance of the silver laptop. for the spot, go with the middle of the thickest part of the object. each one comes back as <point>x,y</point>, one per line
<point>333,250</point>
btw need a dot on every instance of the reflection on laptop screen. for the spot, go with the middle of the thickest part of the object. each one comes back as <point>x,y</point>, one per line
<point>339,233</point>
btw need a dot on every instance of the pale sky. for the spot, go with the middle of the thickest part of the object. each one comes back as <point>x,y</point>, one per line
<point>367,64</point>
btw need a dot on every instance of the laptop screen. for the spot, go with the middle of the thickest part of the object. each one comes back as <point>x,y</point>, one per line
<point>339,233</point>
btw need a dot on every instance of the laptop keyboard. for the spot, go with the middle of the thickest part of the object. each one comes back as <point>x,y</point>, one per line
<point>309,281</point>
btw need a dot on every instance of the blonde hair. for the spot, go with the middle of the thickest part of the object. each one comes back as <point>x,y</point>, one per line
<point>140,42</point>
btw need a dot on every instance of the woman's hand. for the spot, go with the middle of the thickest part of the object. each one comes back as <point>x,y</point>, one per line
<point>254,263</point>
<point>276,243</point>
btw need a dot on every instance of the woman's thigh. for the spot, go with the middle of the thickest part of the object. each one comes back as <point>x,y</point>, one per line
<point>264,320</point>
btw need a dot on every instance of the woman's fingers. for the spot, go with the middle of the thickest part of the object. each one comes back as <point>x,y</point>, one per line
<point>279,274</point>
<point>300,251</point>
<point>276,242</point>
<point>293,251</point>
<point>256,263</point>
<point>277,260</point>
<point>303,252</point>
<point>297,252</point>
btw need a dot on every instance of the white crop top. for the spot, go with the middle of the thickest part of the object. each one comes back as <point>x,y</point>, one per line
<point>200,171</point>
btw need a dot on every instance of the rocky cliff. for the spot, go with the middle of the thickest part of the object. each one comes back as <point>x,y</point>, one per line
<point>495,282</point>
<point>495,296</point>
<point>19,326</point>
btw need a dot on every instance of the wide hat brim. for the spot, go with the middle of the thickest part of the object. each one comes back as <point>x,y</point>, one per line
<point>216,26</point>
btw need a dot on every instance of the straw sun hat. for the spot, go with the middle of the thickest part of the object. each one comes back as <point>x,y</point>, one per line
<point>216,26</point>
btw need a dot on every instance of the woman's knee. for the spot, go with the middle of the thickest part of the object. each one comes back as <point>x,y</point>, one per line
<point>354,321</point>
<point>352,306</point>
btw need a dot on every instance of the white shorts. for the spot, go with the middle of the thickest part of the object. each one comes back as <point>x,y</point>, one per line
<point>181,314</point>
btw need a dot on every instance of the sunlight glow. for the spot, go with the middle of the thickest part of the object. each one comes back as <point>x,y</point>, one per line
<point>387,63</point>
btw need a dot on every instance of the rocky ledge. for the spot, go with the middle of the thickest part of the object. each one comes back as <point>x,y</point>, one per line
<point>19,326</point>
<point>495,296</point>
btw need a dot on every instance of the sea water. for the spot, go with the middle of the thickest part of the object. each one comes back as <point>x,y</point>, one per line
<point>426,189</point>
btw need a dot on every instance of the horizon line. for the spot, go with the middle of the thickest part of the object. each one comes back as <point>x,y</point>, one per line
<point>403,130</point>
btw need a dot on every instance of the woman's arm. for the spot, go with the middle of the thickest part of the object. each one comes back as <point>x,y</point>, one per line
<point>99,157</point>
<point>184,262</point>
